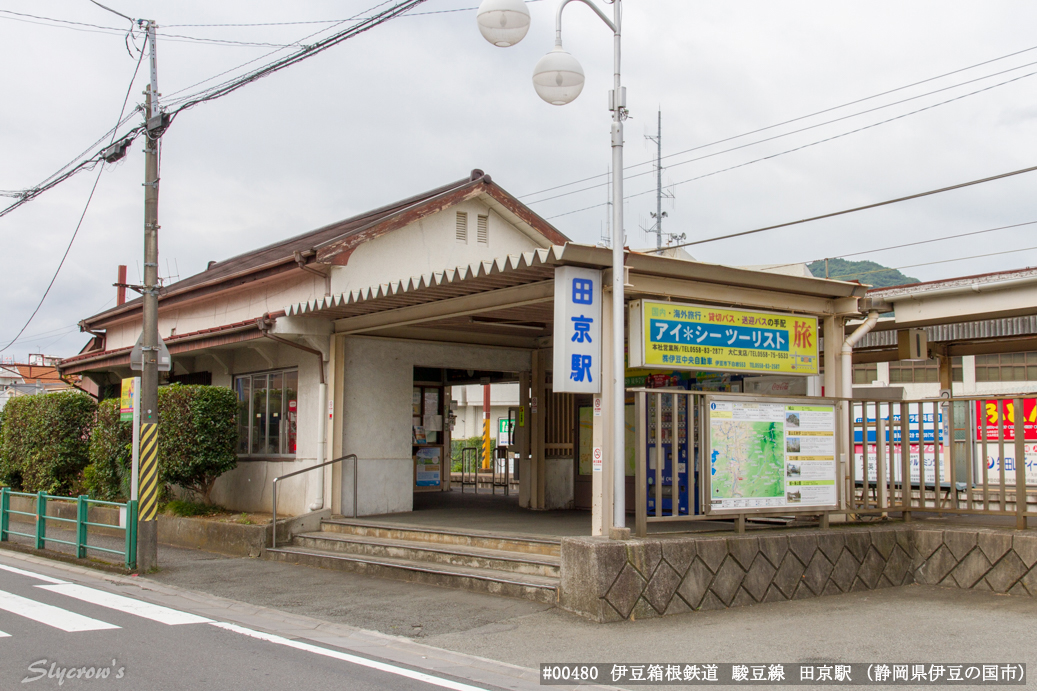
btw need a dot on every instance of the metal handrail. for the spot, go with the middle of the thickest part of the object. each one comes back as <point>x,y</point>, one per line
<point>306,470</point>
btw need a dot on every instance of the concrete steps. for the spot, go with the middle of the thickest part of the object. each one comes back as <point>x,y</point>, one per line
<point>515,566</point>
<point>526,544</point>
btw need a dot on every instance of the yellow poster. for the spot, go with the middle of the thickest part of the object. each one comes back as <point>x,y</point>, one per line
<point>128,399</point>
<point>697,337</point>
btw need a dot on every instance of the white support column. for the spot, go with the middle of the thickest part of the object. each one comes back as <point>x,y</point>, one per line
<point>834,336</point>
<point>602,482</point>
<point>524,469</point>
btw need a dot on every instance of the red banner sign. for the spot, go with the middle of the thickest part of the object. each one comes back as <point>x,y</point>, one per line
<point>988,410</point>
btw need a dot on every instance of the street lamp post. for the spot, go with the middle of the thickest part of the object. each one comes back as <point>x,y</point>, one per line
<point>558,79</point>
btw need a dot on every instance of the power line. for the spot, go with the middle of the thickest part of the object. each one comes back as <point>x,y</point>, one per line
<point>860,208</point>
<point>799,148</point>
<point>304,53</point>
<point>82,216</point>
<point>822,124</point>
<point>804,117</point>
<point>104,7</point>
<point>942,261</point>
<point>906,244</point>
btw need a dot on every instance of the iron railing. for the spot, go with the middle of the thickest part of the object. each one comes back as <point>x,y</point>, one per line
<point>81,523</point>
<point>902,457</point>
<point>273,520</point>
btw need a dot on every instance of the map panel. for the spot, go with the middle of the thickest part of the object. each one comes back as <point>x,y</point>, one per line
<point>770,455</point>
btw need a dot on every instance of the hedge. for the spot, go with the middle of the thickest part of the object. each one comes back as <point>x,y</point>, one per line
<point>107,476</point>
<point>64,443</point>
<point>197,435</point>
<point>44,445</point>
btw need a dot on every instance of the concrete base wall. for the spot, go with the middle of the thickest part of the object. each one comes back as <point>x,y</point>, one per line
<point>558,485</point>
<point>249,487</point>
<point>608,580</point>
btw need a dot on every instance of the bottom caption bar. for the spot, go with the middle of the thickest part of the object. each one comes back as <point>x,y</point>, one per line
<point>788,673</point>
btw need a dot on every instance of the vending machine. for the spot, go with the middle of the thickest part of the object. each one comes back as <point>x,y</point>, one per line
<point>686,449</point>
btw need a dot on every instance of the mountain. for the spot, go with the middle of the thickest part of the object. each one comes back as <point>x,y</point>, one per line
<point>873,274</point>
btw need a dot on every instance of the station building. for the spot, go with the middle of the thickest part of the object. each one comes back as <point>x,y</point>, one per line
<point>354,339</point>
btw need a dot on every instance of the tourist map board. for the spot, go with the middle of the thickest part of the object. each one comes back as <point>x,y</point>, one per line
<point>767,454</point>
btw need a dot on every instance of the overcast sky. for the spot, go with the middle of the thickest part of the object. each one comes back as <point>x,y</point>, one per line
<point>420,101</point>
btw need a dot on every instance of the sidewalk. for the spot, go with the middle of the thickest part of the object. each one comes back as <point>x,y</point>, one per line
<point>910,624</point>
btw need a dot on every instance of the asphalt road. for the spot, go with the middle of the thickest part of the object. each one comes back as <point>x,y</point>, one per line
<point>59,624</point>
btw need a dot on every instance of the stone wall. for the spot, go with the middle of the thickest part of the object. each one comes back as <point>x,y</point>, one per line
<point>610,580</point>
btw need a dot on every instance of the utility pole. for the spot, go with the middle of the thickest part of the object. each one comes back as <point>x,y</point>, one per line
<point>147,528</point>
<point>659,214</point>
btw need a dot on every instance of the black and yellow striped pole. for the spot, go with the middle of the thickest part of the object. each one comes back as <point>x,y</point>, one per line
<point>148,502</point>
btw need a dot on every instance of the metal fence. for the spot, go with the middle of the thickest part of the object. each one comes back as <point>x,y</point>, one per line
<point>962,455</point>
<point>80,525</point>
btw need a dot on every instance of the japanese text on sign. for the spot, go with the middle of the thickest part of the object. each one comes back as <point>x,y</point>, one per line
<point>696,337</point>
<point>577,337</point>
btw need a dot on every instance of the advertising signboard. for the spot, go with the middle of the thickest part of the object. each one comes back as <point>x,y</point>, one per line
<point>765,454</point>
<point>577,336</point>
<point>697,337</point>
<point>988,410</point>
<point>128,399</point>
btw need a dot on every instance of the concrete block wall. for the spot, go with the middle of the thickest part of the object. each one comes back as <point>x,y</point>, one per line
<point>608,580</point>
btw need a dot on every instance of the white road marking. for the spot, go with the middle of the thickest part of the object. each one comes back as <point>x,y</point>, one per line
<point>346,657</point>
<point>4,634</point>
<point>30,574</point>
<point>147,610</point>
<point>49,614</point>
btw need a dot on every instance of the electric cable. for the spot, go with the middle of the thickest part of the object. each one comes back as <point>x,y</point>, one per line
<point>941,261</point>
<point>901,246</point>
<point>833,214</point>
<point>821,124</point>
<point>796,119</point>
<point>796,148</point>
<point>86,207</point>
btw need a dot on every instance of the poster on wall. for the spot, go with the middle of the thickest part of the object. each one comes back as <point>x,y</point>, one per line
<point>427,467</point>
<point>768,454</point>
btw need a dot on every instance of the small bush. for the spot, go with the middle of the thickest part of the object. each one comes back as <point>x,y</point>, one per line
<point>198,434</point>
<point>45,441</point>
<point>107,476</point>
<point>182,507</point>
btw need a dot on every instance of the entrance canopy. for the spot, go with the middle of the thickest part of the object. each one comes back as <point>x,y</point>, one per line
<point>509,301</point>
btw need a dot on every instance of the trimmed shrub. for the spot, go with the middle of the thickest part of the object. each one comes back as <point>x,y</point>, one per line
<point>45,441</point>
<point>107,476</point>
<point>197,438</point>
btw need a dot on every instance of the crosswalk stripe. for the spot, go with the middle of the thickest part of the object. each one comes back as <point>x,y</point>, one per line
<point>346,657</point>
<point>49,614</point>
<point>147,610</point>
<point>30,574</point>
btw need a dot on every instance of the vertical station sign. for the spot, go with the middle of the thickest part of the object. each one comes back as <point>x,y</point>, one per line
<point>577,330</point>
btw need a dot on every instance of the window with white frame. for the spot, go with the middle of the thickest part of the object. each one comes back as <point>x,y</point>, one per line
<point>268,413</point>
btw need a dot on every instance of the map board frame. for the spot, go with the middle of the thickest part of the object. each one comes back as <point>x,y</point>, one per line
<point>706,454</point>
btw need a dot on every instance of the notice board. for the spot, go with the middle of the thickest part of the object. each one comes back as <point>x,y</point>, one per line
<point>766,454</point>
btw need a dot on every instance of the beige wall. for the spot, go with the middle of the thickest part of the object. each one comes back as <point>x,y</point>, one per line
<point>376,411</point>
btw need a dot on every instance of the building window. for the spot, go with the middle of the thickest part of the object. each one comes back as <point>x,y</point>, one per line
<point>1007,367</point>
<point>922,372</point>
<point>461,228</point>
<point>268,413</point>
<point>865,374</point>
<point>482,230</point>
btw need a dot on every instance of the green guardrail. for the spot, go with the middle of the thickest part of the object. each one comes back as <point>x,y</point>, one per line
<point>81,523</point>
